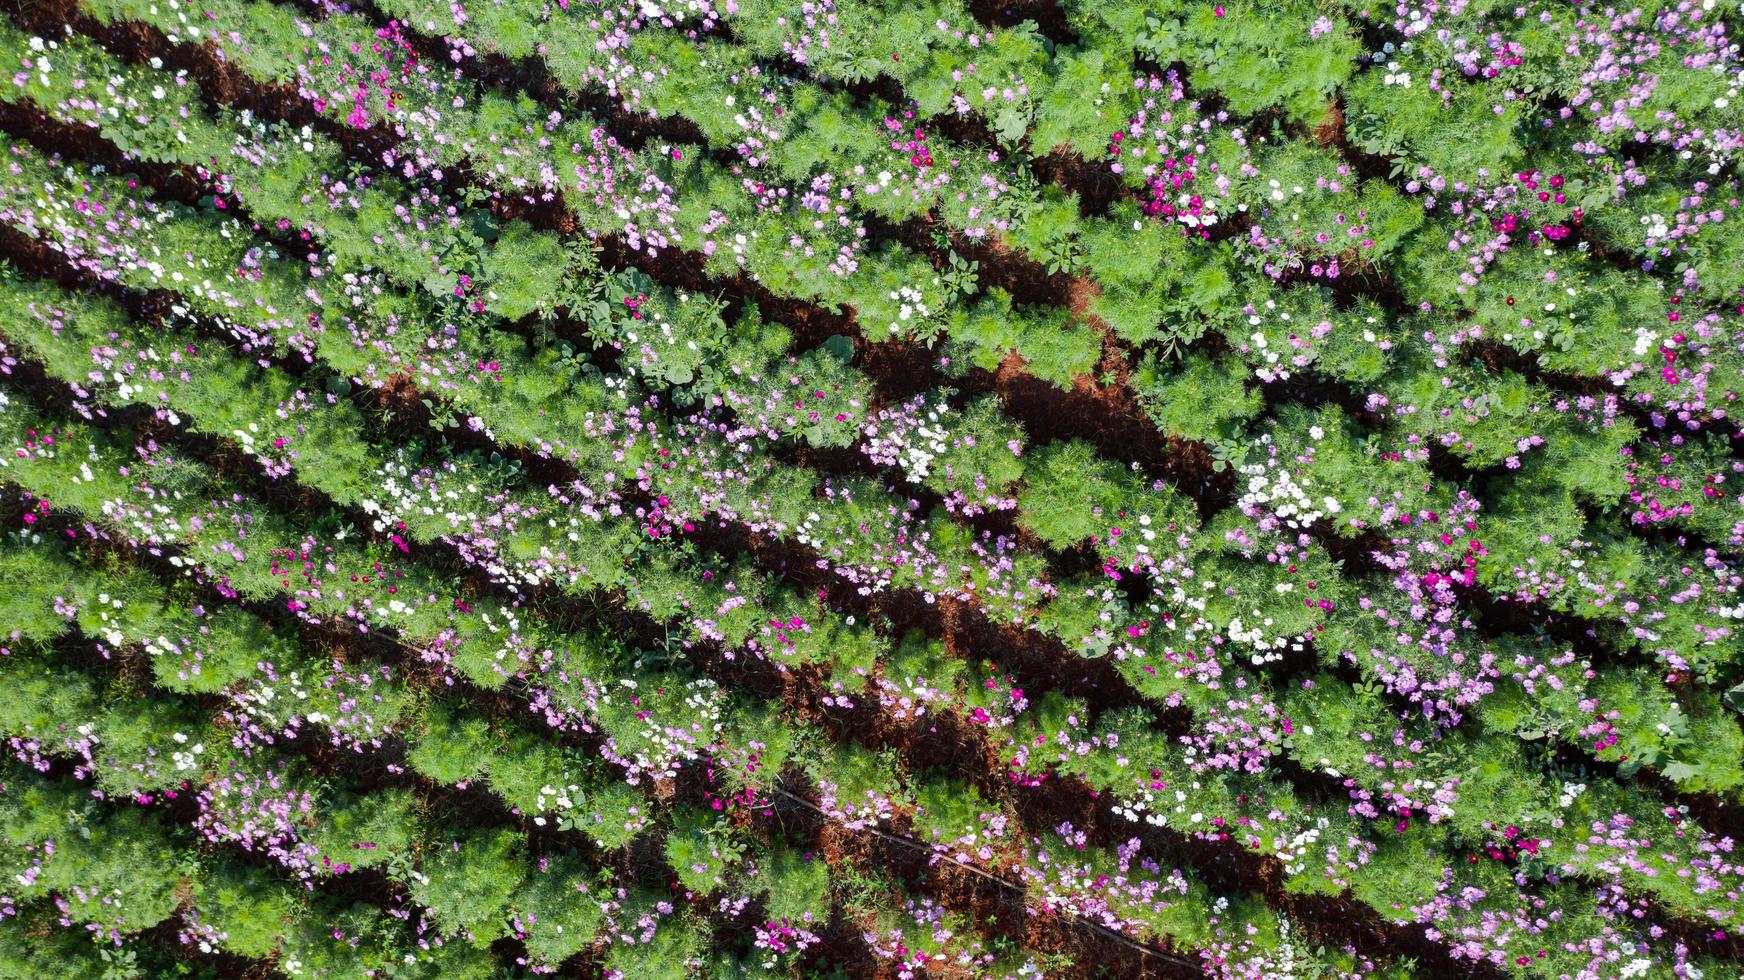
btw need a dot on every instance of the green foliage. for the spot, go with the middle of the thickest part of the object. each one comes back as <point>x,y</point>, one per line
<point>1199,397</point>
<point>563,906</point>
<point>673,954</point>
<point>1071,493</point>
<point>468,882</point>
<point>1064,117</point>
<point>452,747</point>
<point>1457,363</point>
<point>701,849</point>
<point>1049,229</point>
<point>796,885</point>
<point>1056,347</point>
<point>365,829</point>
<point>1257,56</point>
<point>248,906</point>
<point>1410,123</point>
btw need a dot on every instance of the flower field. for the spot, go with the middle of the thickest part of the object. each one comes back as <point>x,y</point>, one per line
<point>859,488</point>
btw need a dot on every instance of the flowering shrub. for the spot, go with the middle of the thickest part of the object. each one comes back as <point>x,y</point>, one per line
<point>776,487</point>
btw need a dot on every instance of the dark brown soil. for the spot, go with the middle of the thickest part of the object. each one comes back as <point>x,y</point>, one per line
<point>1048,16</point>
